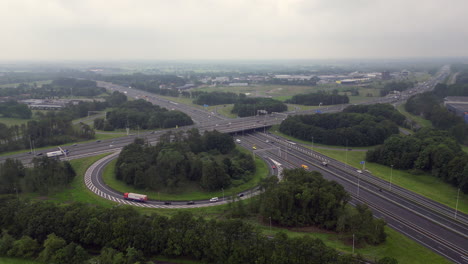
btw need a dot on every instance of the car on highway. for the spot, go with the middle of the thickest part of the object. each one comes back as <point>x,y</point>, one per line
<point>273,167</point>
<point>191,202</point>
<point>305,166</point>
<point>214,200</point>
<point>240,195</point>
<point>167,203</point>
<point>254,147</point>
<point>359,171</point>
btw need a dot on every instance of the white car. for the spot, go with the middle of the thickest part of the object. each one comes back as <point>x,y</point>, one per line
<point>214,199</point>
<point>359,171</point>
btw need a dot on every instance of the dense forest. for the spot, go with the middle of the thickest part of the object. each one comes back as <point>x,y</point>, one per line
<point>69,233</point>
<point>52,128</point>
<point>216,98</point>
<point>162,84</point>
<point>319,98</point>
<point>141,114</point>
<point>427,150</point>
<point>62,87</point>
<point>45,176</point>
<point>251,106</point>
<point>210,160</point>
<point>305,198</point>
<point>360,125</point>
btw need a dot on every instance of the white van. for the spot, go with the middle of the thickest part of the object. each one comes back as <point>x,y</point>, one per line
<point>238,141</point>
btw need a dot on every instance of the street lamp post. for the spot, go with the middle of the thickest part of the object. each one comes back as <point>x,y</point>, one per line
<point>391,176</point>
<point>346,162</point>
<point>312,144</point>
<point>456,206</point>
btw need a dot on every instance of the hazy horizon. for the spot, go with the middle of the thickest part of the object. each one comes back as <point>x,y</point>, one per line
<point>231,30</point>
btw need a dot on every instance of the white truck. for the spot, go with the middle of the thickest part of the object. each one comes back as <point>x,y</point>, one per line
<point>54,154</point>
<point>135,197</point>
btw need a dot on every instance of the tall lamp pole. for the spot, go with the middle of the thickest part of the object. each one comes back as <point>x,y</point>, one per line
<point>391,176</point>
<point>456,206</point>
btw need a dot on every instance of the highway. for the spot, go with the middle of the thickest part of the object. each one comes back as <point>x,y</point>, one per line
<point>427,222</point>
<point>418,217</point>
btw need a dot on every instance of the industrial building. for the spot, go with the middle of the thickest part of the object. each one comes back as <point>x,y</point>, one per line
<point>458,105</point>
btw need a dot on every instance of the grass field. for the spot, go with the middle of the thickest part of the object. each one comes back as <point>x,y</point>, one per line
<point>13,121</point>
<point>187,192</point>
<point>397,245</point>
<point>419,120</point>
<point>426,185</point>
<point>78,192</point>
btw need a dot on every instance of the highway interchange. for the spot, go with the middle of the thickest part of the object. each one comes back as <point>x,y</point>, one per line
<point>432,224</point>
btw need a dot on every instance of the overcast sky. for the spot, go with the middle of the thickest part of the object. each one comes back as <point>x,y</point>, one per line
<point>231,29</point>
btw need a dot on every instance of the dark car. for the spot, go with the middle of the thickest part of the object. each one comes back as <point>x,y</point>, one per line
<point>191,202</point>
<point>39,154</point>
<point>240,195</point>
<point>167,203</point>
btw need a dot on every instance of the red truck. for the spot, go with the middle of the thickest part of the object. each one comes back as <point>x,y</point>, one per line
<point>135,197</point>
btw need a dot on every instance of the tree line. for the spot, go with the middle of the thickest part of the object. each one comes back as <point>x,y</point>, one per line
<point>46,176</point>
<point>216,98</point>
<point>429,106</point>
<point>428,150</point>
<point>209,160</point>
<point>318,98</point>
<point>305,198</point>
<point>395,86</point>
<point>142,114</point>
<point>251,106</point>
<point>356,126</point>
<point>61,87</point>
<point>162,84</point>
<point>14,109</point>
<point>69,233</point>
<point>51,128</point>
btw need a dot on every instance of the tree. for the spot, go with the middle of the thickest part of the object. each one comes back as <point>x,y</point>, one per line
<point>26,247</point>
<point>52,244</point>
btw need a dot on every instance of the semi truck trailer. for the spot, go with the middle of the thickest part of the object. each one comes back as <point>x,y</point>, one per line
<point>135,197</point>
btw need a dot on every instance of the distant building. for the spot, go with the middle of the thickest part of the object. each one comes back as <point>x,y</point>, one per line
<point>356,81</point>
<point>186,86</point>
<point>457,105</point>
<point>239,84</point>
<point>386,75</point>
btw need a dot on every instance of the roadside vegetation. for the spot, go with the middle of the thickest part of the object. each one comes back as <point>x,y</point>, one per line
<point>360,125</point>
<point>431,187</point>
<point>397,245</point>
